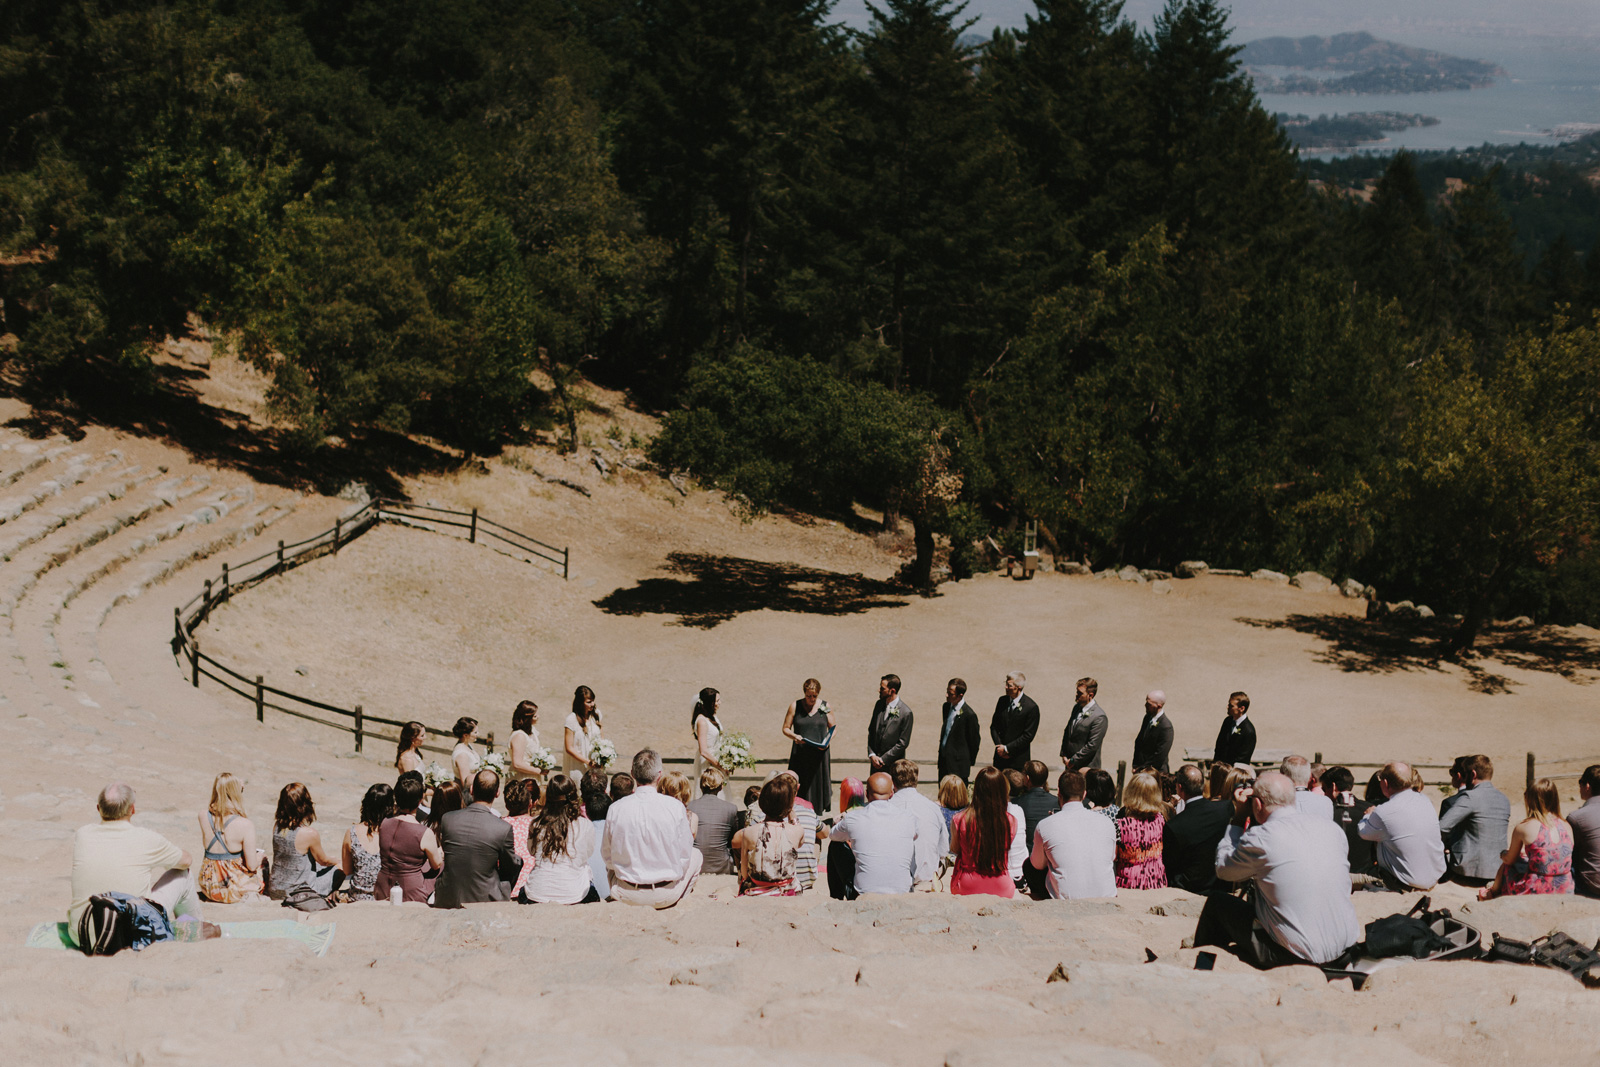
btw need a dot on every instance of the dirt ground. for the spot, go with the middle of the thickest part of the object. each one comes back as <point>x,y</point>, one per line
<point>670,592</point>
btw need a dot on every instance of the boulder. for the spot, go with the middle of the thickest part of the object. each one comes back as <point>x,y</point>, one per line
<point>1161,585</point>
<point>1107,573</point>
<point>1312,582</point>
<point>1353,589</point>
<point>1131,574</point>
<point>1226,572</point>
<point>1190,568</point>
<point>1521,622</point>
<point>1154,576</point>
<point>1264,575</point>
<point>1424,612</point>
<point>1069,567</point>
<point>1405,609</point>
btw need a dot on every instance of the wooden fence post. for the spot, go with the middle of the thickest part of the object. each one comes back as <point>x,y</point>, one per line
<point>194,658</point>
<point>488,743</point>
<point>1317,758</point>
<point>280,555</point>
<point>227,584</point>
<point>205,606</point>
<point>337,523</point>
<point>358,727</point>
<point>177,626</point>
<point>472,535</point>
<point>564,554</point>
<point>1122,772</point>
<point>261,699</point>
<point>1530,770</point>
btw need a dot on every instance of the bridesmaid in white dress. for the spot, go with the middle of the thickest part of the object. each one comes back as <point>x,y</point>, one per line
<point>707,728</point>
<point>524,741</point>
<point>581,730</point>
<point>464,757</point>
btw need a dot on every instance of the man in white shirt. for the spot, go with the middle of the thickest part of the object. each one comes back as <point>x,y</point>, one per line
<point>933,834</point>
<point>1301,868</point>
<point>115,856</point>
<point>1410,849</point>
<point>1307,797</point>
<point>882,837</point>
<point>648,849</point>
<point>1076,847</point>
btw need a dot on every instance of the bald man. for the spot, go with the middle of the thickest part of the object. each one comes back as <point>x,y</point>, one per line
<point>1153,746</point>
<point>880,839</point>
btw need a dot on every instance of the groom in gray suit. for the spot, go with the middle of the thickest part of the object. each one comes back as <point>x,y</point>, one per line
<point>889,732</point>
<point>480,857</point>
<point>1473,822</point>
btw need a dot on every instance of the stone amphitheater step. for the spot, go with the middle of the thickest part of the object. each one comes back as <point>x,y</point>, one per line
<point>22,457</point>
<point>79,469</point>
<point>40,524</point>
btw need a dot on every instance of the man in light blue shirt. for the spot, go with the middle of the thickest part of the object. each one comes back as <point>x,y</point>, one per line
<point>882,837</point>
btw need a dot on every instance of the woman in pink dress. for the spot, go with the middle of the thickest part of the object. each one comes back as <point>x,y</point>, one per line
<point>1140,823</point>
<point>1540,857</point>
<point>522,797</point>
<point>981,837</point>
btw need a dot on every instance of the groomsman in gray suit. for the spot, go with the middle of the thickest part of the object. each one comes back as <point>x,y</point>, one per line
<point>1086,729</point>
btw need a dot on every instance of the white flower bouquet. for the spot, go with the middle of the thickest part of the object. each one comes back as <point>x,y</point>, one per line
<point>498,763</point>
<point>436,774</point>
<point>542,759</point>
<point>602,753</point>
<point>733,752</point>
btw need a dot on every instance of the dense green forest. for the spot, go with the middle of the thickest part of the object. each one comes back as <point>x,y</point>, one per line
<point>1073,273</point>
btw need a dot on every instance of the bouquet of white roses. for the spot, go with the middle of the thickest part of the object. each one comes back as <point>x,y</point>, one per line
<point>497,763</point>
<point>542,759</point>
<point>602,753</point>
<point>733,752</point>
<point>435,775</point>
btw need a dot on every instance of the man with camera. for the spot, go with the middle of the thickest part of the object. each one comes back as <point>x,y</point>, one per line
<point>1299,863</point>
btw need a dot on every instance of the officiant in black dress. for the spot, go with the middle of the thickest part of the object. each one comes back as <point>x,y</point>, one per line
<point>809,724</point>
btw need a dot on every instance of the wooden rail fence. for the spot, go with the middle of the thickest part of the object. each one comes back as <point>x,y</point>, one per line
<point>187,617</point>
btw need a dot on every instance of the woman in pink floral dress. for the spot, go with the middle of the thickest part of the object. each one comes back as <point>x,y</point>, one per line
<point>1139,827</point>
<point>1540,857</point>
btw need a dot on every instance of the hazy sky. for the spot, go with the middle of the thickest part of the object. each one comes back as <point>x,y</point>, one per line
<point>1392,18</point>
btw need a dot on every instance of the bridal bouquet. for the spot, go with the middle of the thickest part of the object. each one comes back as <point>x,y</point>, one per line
<point>733,752</point>
<point>497,763</point>
<point>435,775</point>
<point>602,753</point>
<point>542,759</point>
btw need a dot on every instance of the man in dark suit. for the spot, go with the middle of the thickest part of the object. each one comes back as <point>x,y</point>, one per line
<point>480,857</point>
<point>889,731</point>
<point>1015,721</point>
<point>1086,729</point>
<point>1153,746</point>
<point>1189,842</point>
<point>1236,741</point>
<point>959,736</point>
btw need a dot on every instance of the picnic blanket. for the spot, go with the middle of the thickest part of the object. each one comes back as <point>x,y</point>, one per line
<point>315,936</point>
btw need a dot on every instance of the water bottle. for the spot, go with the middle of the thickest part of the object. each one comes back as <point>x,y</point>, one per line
<point>396,894</point>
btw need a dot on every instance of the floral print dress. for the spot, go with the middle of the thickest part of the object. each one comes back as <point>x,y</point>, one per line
<point>1139,864</point>
<point>1545,865</point>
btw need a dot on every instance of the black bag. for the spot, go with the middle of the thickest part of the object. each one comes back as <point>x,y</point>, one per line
<point>1403,935</point>
<point>105,928</point>
<point>1509,950</point>
<point>307,899</point>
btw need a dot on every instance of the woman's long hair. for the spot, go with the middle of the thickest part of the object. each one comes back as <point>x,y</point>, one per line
<point>705,704</point>
<point>377,806</point>
<point>227,797</point>
<point>991,826</point>
<point>1141,797</point>
<point>522,718</point>
<point>548,837</point>
<point>294,808</point>
<point>851,794</point>
<point>1543,802</point>
<point>579,695</point>
<point>410,734</point>
<point>446,798</point>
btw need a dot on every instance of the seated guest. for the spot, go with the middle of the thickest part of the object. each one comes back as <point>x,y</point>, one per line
<point>1539,859</point>
<point>1189,841</point>
<point>1307,797</point>
<point>952,797</point>
<point>1585,823</point>
<point>300,861</point>
<point>716,822</point>
<point>360,855</point>
<point>230,871</point>
<point>805,816</point>
<point>1217,783</point>
<point>1473,822</point>
<point>596,803</point>
<point>879,853</point>
<point>933,836</point>
<point>622,785</point>
<point>1036,801</point>
<point>480,861</point>
<point>769,851</point>
<point>981,838</point>
<point>115,856</point>
<point>561,843</point>
<point>407,847</point>
<point>1017,856</point>
<point>1075,847</point>
<point>1348,809</point>
<point>1302,911</point>
<point>522,799</point>
<point>648,849</point>
<point>852,795</point>
<point>1100,793</point>
<point>675,784</point>
<point>446,798</point>
<point>1410,852</point>
<point>1140,826</point>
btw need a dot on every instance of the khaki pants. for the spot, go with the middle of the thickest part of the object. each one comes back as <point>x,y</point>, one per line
<point>659,897</point>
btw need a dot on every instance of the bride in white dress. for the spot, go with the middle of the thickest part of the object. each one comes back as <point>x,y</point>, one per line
<point>707,728</point>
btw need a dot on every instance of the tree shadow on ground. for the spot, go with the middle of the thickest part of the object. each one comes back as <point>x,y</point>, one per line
<point>1385,646</point>
<point>167,406</point>
<point>714,589</point>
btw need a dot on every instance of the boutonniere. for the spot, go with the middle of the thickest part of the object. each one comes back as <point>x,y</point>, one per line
<point>1235,730</point>
<point>894,711</point>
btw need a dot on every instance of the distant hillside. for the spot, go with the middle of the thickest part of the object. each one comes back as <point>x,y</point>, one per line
<point>1367,65</point>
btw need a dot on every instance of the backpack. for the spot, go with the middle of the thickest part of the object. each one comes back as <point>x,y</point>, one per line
<point>105,928</point>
